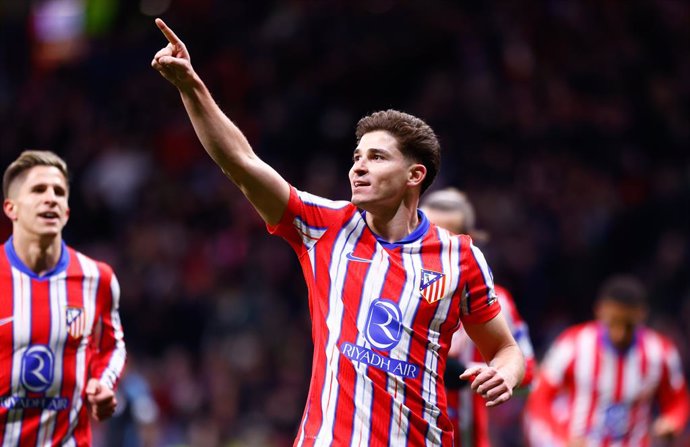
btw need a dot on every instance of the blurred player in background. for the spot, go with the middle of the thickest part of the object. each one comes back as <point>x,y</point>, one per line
<point>599,380</point>
<point>450,209</point>
<point>386,290</point>
<point>61,342</point>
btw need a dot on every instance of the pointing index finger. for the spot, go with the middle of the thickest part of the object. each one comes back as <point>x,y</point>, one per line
<point>168,33</point>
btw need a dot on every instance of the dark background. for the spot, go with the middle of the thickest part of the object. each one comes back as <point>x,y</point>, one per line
<point>567,122</point>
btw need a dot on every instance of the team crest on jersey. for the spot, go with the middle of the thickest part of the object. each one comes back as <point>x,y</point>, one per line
<point>76,321</point>
<point>433,285</point>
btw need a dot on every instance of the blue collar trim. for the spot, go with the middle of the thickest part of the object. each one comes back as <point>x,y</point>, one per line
<point>418,232</point>
<point>17,263</point>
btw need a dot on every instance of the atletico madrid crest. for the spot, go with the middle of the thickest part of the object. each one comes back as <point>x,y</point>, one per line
<point>76,321</point>
<point>433,285</point>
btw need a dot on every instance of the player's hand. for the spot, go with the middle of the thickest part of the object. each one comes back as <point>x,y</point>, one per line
<point>173,61</point>
<point>101,400</point>
<point>577,442</point>
<point>664,428</point>
<point>489,383</point>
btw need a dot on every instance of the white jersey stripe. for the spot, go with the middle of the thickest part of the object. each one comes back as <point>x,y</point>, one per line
<point>431,409</point>
<point>311,199</point>
<point>409,304</point>
<point>117,360</point>
<point>57,326</point>
<point>309,235</point>
<point>21,329</point>
<point>605,390</point>
<point>587,348</point>
<point>90,289</point>
<point>363,399</point>
<point>338,273</point>
<point>484,267</point>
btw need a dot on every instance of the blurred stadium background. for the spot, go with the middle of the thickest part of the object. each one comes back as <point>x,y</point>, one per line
<point>567,122</point>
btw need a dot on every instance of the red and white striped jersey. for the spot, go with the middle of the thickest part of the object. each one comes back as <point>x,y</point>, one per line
<point>49,347</point>
<point>383,315</point>
<point>588,389</point>
<point>466,408</point>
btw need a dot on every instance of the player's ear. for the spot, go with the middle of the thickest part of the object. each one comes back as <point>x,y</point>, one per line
<point>416,174</point>
<point>10,209</point>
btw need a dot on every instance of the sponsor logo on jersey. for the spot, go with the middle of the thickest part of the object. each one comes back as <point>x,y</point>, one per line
<point>37,368</point>
<point>44,403</point>
<point>371,358</point>
<point>384,324</point>
<point>432,286</point>
<point>616,419</point>
<point>76,321</point>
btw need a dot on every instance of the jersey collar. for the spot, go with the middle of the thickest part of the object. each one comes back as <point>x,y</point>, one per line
<point>418,232</point>
<point>17,263</point>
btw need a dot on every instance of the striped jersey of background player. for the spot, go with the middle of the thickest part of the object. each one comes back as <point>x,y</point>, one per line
<point>600,380</point>
<point>61,341</point>
<point>386,290</point>
<point>451,209</point>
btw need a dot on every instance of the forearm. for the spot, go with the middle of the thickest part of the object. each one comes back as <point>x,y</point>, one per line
<point>511,363</point>
<point>221,138</point>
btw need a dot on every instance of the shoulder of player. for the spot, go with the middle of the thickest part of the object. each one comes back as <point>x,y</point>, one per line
<point>654,335</point>
<point>97,268</point>
<point>574,332</point>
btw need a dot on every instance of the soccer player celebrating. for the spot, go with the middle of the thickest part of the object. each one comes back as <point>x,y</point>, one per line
<point>61,343</point>
<point>451,209</point>
<point>387,289</point>
<point>599,380</point>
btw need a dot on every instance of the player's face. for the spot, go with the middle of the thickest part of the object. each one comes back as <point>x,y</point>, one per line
<point>380,173</point>
<point>37,203</point>
<point>453,221</point>
<point>620,321</point>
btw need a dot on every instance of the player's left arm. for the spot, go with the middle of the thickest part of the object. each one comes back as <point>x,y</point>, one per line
<point>505,363</point>
<point>486,326</point>
<point>518,327</point>
<point>110,353</point>
<point>674,403</point>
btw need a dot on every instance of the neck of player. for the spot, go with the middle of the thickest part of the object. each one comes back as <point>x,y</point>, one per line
<point>394,224</point>
<point>40,254</point>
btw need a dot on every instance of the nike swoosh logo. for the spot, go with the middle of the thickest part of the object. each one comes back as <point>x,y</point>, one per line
<point>4,321</point>
<point>352,257</point>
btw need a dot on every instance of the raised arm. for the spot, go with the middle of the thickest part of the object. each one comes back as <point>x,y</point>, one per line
<point>260,183</point>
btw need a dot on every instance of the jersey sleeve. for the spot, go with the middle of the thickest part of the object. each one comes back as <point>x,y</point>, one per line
<point>478,301</point>
<point>109,353</point>
<point>307,217</point>
<point>520,330</point>
<point>674,403</point>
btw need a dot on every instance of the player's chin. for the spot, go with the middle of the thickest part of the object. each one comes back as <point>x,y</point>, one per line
<point>358,200</point>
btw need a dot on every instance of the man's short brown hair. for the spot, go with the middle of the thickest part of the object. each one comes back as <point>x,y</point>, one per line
<point>624,289</point>
<point>27,160</point>
<point>415,138</point>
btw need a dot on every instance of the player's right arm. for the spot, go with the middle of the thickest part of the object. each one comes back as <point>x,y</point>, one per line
<point>225,143</point>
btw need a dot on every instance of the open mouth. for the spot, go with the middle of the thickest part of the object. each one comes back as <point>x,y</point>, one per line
<point>359,184</point>
<point>48,215</point>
